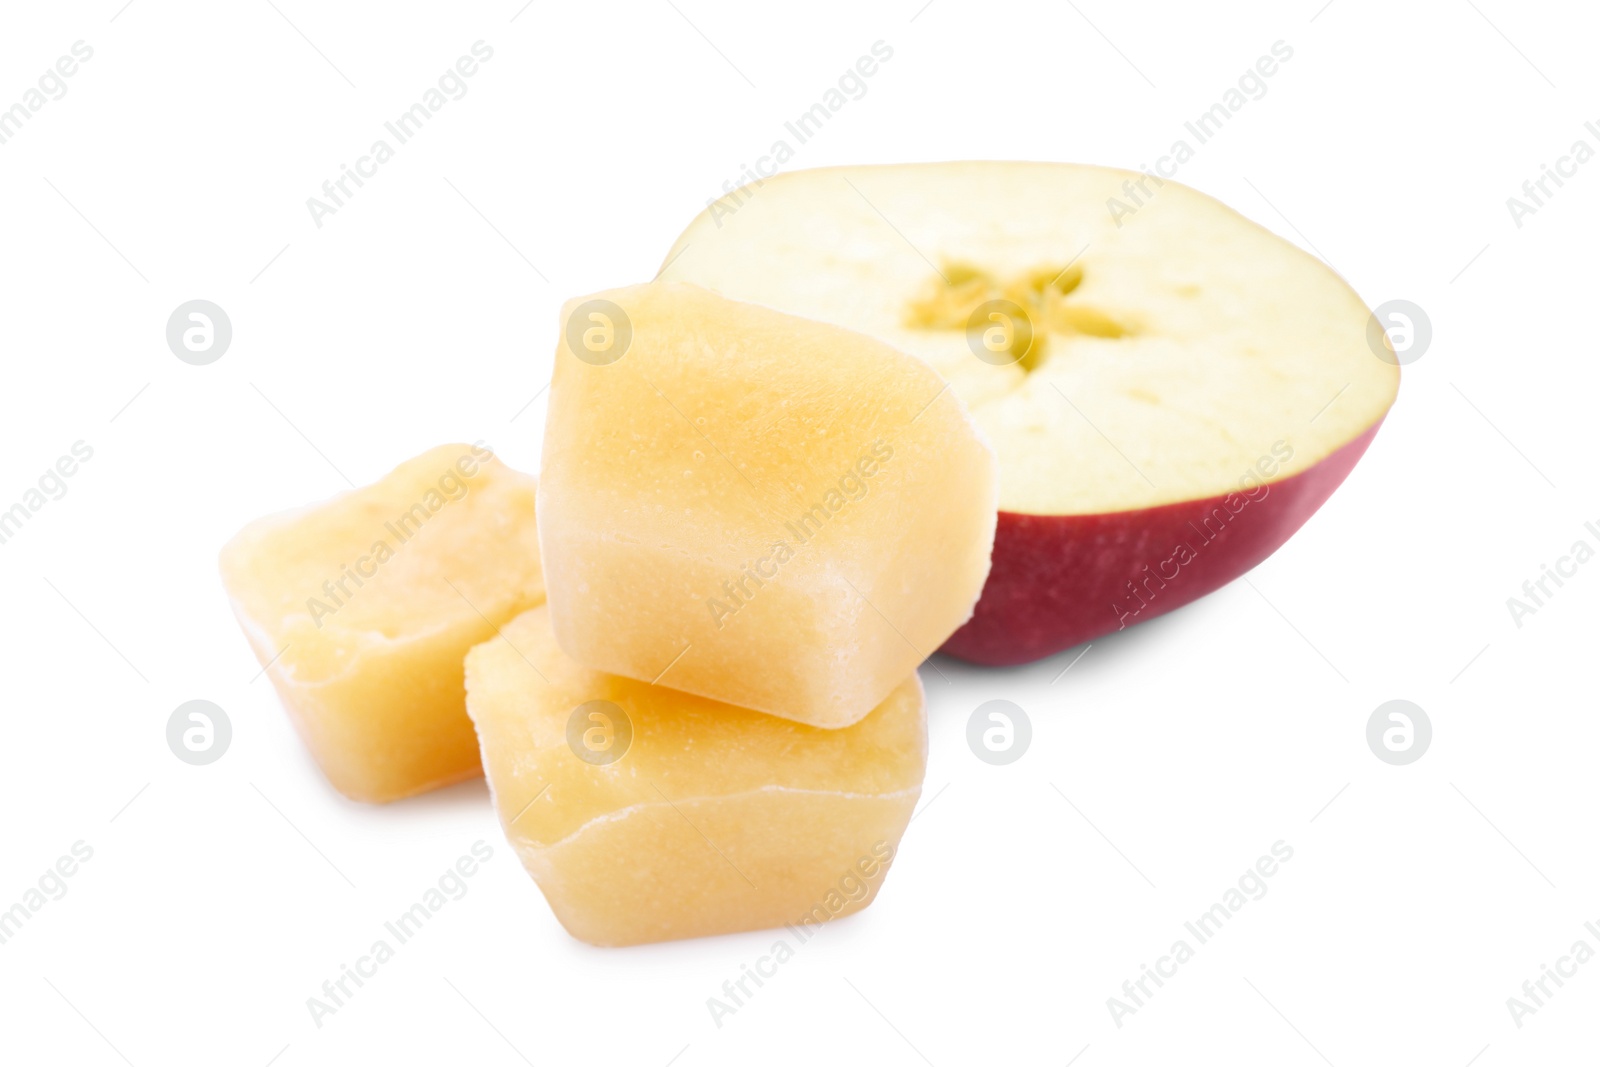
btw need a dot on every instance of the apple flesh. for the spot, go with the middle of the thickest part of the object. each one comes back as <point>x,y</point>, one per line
<point>1134,372</point>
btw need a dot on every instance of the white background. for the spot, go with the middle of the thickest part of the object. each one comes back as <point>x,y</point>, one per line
<point>219,898</point>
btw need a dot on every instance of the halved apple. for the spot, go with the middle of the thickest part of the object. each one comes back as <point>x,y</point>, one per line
<point>1171,391</point>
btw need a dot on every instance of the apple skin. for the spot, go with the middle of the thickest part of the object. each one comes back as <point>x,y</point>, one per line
<point>1056,581</point>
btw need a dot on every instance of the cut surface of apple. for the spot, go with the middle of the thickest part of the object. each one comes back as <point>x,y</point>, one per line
<point>757,508</point>
<point>1140,373</point>
<point>648,814</point>
<point>362,608</point>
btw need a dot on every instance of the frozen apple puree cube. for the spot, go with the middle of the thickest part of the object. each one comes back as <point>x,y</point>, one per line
<point>648,814</point>
<point>762,509</point>
<point>364,606</point>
